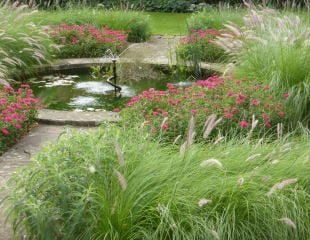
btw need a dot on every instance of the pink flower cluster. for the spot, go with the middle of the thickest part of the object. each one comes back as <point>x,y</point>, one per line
<point>197,35</point>
<point>17,111</point>
<point>73,34</point>
<point>234,100</point>
<point>211,82</point>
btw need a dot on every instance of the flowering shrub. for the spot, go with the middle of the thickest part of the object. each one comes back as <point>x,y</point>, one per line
<point>17,112</point>
<point>199,46</point>
<point>274,49</point>
<point>86,40</point>
<point>239,103</point>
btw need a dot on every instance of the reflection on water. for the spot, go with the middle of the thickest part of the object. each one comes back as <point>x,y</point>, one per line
<point>95,87</point>
<point>81,102</point>
<point>71,92</point>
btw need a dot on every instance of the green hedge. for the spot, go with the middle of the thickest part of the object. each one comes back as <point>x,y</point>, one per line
<point>152,5</point>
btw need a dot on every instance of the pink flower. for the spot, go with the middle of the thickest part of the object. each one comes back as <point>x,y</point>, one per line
<point>230,93</point>
<point>243,124</point>
<point>165,126</point>
<point>228,115</point>
<point>255,102</point>
<point>286,95</point>
<point>194,111</point>
<point>18,126</point>
<point>281,114</point>
<point>74,40</point>
<point>267,124</point>
<point>5,131</point>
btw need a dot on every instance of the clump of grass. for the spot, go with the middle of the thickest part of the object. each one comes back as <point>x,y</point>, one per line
<point>22,43</point>
<point>114,184</point>
<point>274,49</point>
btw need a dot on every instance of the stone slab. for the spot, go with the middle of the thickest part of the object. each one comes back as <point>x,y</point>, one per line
<point>86,119</point>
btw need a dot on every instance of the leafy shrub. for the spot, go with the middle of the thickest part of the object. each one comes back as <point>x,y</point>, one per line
<point>166,113</point>
<point>136,24</point>
<point>160,5</point>
<point>112,184</point>
<point>214,19</point>
<point>275,50</point>
<point>199,47</point>
<point>17,112</point>
<point>22,43</point>
<point>87,41</point>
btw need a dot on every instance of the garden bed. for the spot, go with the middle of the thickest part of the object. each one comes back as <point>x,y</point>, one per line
<point>18,110</point>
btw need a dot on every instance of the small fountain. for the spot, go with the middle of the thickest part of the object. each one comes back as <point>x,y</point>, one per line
<point>110,55</point>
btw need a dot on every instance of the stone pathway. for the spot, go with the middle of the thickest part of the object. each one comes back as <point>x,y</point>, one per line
<point>20,155</point>
<point>159,51</point>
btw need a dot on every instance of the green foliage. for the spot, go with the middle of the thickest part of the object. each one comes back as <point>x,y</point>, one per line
<point>18,110</point>
<point>199,47</point>
<point>87,41</point>
<point>239,106</point>
<point>214,19</point>
<point>274,49</point>
<point>135,23</point>
<point>114,184</point>
<point>22,43</point>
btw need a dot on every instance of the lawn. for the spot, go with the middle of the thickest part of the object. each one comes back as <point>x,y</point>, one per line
<point>169,23</point>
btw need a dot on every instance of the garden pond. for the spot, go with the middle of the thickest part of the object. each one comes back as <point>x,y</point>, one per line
<point>80,90</point>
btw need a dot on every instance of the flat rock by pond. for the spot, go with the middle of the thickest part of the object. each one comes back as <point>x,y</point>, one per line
<point>77,118</point>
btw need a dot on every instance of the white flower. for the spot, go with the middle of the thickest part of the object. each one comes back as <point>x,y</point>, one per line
<point>288,222</point>
<point>202,202</point>
<point>211,162</point>
<point>253,157</point>
<point>92,169</point>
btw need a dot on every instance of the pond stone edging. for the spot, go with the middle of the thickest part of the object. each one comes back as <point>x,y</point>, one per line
<point>82,119</point>
<point>78,63</point>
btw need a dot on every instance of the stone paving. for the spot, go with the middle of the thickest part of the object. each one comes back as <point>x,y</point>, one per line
<point>19,155</point>
<point>159,51</point>
<point>85,119</point>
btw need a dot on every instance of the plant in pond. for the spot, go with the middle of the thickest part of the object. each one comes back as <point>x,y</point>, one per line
<point>22,43</point>
<point>238,103</point>
<point>17,112</point>
<point>114,184</point>
<point>86,40</point>
<point>275,50</point>
<point>199,47</point>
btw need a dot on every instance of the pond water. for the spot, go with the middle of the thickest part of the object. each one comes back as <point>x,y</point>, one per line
<point>83,92</point>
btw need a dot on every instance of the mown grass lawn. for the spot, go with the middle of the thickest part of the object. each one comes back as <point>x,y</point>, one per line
<point>168,23</point>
